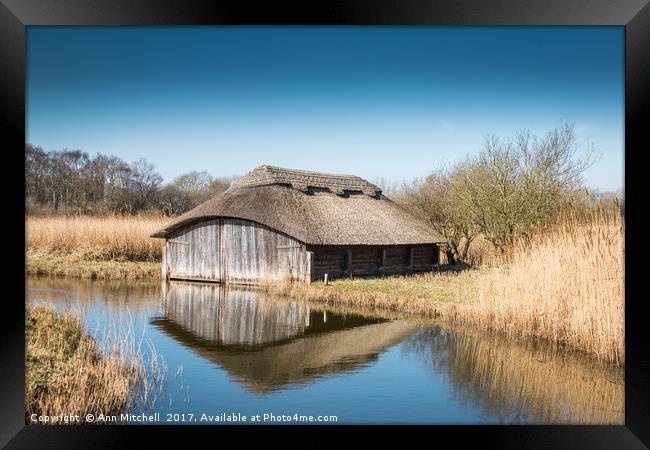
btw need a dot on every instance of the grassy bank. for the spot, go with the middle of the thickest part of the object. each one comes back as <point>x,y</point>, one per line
<point>65,266</point>
<point>66,372</point>
<point>566,286</point>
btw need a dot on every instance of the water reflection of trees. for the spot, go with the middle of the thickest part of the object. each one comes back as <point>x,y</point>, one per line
<point>113,294</point>
<point>523,382</point>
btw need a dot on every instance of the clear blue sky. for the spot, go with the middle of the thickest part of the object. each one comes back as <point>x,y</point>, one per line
<point>379,102</point>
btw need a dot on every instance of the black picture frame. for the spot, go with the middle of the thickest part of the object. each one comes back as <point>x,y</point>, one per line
<point>634,15</point>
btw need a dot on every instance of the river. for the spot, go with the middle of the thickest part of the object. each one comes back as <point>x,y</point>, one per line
<point>235,353</point>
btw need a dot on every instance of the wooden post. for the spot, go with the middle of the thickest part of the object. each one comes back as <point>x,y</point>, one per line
<point>383,260</point>
<point>326,280</point>
<point>310,266</point>
<point>350,263</point>
<point>411,260</point>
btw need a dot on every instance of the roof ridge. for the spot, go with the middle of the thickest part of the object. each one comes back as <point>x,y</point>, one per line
<point>314,172</point>
<point>302,180</point>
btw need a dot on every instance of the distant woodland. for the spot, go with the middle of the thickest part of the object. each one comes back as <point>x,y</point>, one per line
<point>73,182</point>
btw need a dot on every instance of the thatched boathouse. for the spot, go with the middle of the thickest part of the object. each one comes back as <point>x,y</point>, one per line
<point>286,224</point>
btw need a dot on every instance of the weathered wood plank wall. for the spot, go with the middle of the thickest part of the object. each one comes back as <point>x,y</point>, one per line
<point>330,260</point>
<point>193,252</point>
<point>255,252</point>
<point>397,259</point>
<point>340,262</point>
<point>423,258</point>
<point>366,260</point>
<point>241,251</point>
<point>234,250</point>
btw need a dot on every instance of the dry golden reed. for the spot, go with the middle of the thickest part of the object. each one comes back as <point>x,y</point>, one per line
<point>89,238</point>
<point>566,285</point>
<point>67,372</point>
<point>68,266</point>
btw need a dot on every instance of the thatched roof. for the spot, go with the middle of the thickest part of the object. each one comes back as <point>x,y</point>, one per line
<point>315,208</point>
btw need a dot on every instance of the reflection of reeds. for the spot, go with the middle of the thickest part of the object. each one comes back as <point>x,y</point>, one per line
<point>68,372</point>
<point>524,382</point>
<point>113,294</point>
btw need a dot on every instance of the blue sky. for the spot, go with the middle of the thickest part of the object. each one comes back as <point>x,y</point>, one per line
<point>378,102</point>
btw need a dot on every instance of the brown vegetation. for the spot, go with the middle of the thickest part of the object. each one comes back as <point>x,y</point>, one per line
<point>510,190</point>
<point>109,247</point>
<point>87,238</point>
<point>73,182</point>
<point>565,286</point>
<point>66,372</point>
<point>63,266</point>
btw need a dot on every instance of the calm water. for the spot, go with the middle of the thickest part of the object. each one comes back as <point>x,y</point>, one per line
<point>236,351</point>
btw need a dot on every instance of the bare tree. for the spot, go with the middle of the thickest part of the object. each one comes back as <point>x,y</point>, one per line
<point>509,190</point>
<point>515,186</point>
<point>37,171</point>
<point>145,181</point>
<point>191,189</point>
<point>436,200</point>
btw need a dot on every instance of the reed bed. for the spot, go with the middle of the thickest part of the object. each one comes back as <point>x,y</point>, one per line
<point>88,238</point>
<point>565,286</point>
<point>67,372</point>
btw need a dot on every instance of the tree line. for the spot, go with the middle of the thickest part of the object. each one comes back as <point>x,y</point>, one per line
<point>509,191</point>
<point>73,182</point>
<point>512,189</point>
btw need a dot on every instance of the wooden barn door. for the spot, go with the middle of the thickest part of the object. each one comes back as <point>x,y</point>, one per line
<point>193,252</point>
<point>253,252</point>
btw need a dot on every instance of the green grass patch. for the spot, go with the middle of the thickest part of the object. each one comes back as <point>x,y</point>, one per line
<point>447,287</point>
